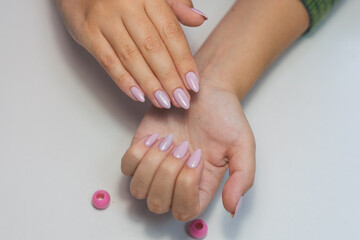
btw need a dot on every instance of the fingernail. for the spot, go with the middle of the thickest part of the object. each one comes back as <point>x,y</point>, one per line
<point>181,150</point>
<point>162,99</point>
<point>151,140</point>
<point>166,143</point>
<point>237,207</point>
<point>137,94</point>
<point>194,159</point>
<point>193,81</point>
<point>181,98</point>
<point>199,12</point>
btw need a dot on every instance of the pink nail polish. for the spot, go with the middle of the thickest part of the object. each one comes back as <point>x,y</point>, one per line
<point>163,99</point>
<point>199,12</point>
<point>137,94</point>
<point>151,140</point>
<point>181,98</point>
<point>181,150</point>
<point>193,81</point>
<point>166,143</point>
<point>194,159</point>
<point>238,205</point>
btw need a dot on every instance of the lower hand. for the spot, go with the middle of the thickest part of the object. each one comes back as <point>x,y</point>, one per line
<point>140,44</point>
<point>216,124</point>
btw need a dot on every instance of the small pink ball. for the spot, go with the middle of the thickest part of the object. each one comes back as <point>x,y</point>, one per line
<point>101,199</point>
<point>198,228</point>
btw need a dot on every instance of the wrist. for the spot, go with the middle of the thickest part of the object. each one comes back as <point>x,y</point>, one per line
<point>247,40</point>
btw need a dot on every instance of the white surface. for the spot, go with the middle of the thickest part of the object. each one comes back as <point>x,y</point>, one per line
<point>64,127</point>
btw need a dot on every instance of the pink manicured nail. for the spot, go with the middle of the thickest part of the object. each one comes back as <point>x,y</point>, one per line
<point>181,98</point>
<point>181,150</point>
<point>237,207</point>
<point>137,94</point>
<point>166,143</point>
<point>199,12</point>
<point>194,159</point>
<point>193,81</point>
<point>151,140</point>
<point>163,99</point>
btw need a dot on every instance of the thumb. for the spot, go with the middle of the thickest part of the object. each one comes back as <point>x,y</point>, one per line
<point>186,13</point>
<point>241,176</point>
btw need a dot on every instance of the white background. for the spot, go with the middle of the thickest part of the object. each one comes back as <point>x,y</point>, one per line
<point>64,126</point>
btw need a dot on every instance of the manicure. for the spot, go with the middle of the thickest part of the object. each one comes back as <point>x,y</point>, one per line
<point>194,159</point>
<point>166,143</point>
<point>199,12</point>
<point>181,150</point>
<point>238,205</point>
<point>193,81</point>
<point>137,94</point>
<point>181,98</point>
<point>162,99</point>
<point>151,140</point>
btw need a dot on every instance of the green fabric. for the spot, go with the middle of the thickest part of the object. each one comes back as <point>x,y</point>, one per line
<point>317,9</point>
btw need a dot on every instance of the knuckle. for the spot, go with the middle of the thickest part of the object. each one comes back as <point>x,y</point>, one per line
<point>128,52</point>
<point>168,170</point>
<point>122,78</point>
<point>251,182</point>
<point>187,60</point>
<point>107,61</point>
<point>169,76</point>
<point>137,193</point>
<point>152,44</point>
<point>186,181</point>
<point>157,207</point>
<point>171,29</point>
<point>182,216</point>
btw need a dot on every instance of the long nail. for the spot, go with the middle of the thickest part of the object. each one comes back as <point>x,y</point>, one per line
<point>193,81</point>
<point>199,12</point>
<point>194,159</point>
<point>238,205</point>
<point>181,98</point>
<point>151,140</point>
<point>162,99</point>
<point>166,143</point>
<point>181,150</point>
<point>137,94</point>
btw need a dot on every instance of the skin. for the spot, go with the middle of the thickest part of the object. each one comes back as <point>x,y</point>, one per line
<point>239,50</point>
<point>139,45</point>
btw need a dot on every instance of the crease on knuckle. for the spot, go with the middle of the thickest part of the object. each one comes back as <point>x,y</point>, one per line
<point>182,216</point>
<point>128,52</point>
<point>186,181</point>
<point>152,44</point>
<point>121,78</point>
<point>168,170</point>
<point>171,29</point>
<point>157,207</point>
<point>137,193</point>
<point>107,61</point>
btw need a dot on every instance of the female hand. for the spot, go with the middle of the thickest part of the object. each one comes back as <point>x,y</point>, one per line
<point>169,178</point>
<point>140,44</point>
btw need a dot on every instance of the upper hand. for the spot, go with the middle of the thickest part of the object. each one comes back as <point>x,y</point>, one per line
<point>140,44</point>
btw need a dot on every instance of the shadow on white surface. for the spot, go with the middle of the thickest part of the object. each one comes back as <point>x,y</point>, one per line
<point>126,111</point>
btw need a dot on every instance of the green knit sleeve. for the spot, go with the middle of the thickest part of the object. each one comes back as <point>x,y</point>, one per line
<point>317,9</point>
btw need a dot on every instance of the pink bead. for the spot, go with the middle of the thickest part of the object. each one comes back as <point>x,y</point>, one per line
<point>101,199</point>
<point>198,228</point>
